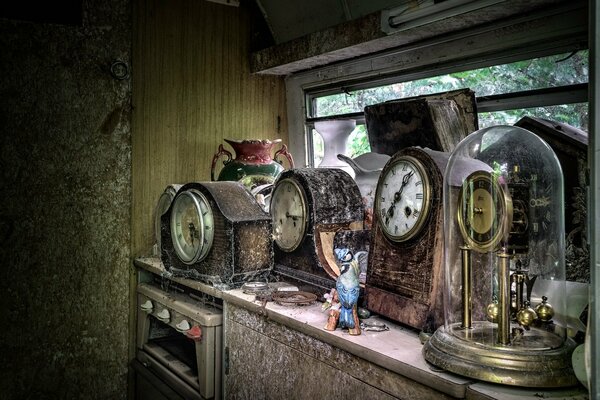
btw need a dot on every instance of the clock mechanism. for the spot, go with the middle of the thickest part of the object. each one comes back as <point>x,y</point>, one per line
<point>405,260</point>
<point>485,212</point>
<point>309,206</point>
<point>216,232</point>
<point>505,300</point>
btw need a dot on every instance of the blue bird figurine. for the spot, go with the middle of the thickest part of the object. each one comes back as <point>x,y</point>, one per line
<point>347,286</point>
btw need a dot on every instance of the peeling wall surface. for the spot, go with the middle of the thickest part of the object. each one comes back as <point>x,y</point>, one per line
<point>65,173</point>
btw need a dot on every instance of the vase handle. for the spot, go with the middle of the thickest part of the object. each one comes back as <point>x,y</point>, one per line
<point>219,153</point>
<point>283,151</point>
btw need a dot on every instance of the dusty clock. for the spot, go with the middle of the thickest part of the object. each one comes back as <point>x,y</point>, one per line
<point>192,226</point>
<point>500,269</point>
<point>405,259</point>
<point>290,214</point>
<point>402,200</point>
<point>216,232</point>
<point>309,206</point>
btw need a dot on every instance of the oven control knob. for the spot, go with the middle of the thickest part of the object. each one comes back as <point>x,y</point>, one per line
<point>164,315</point>
<point>183,326</point>
<point>195,333</point>
<point>147,306</point>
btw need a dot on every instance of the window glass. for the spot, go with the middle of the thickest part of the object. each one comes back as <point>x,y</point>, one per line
<point>537,73</point>
<point>517,77</point>
<point>572,114</point>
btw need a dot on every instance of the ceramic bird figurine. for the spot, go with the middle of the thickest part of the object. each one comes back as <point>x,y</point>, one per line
<point>347,286</point>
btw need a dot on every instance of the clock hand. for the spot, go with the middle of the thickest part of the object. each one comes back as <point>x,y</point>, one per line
<point>405,179</point>
<point>192,231</point>
<point>389,213</point>
<point>397,196</point>
<point>292,216</point>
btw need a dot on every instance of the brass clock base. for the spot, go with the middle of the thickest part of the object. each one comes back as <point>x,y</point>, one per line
<point>537,360</point>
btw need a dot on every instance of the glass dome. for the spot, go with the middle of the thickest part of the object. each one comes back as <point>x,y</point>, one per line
<point>504,268</point>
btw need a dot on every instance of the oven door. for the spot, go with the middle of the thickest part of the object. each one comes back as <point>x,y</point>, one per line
<point>155,381</point>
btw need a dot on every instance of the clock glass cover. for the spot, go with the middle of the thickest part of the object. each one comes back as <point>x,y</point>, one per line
<point>484,211</point>
<point>192,227</point>
<point>289,212</point>
<point>504,261</point>
<point>402,200</point>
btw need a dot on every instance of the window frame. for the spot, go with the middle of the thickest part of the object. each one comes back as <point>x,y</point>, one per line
<point>543,34</point>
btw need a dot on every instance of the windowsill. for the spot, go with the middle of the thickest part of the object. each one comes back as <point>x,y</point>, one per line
<point>397,350</point>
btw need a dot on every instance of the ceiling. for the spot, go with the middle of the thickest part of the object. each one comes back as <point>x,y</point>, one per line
<point>291,19</point>
<point>314,33</point>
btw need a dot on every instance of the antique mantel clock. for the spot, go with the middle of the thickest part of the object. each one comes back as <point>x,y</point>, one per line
<point>504,269</point>
<point>308,207</point>
<point>217,232</point>
<point>405,260</point>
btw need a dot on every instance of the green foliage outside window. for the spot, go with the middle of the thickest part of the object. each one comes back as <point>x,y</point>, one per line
<point>553,71</point>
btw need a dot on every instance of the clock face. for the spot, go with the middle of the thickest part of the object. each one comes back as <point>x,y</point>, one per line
<point>484,211</point>
<point>402,200</point>
<point>192,227</point>
<point>289,211</point>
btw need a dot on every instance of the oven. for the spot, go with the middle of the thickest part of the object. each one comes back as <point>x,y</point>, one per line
<point>179,341</point>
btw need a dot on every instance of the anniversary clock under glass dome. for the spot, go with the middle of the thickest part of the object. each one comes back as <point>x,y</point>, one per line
<point>505,289</point>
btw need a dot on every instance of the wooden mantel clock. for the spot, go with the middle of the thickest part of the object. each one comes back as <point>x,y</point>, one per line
<point>216,232</point>
<point>308,207</point>
<point>404,275</point>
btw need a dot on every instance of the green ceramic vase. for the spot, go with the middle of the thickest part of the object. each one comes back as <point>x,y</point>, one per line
<point>253,164</point>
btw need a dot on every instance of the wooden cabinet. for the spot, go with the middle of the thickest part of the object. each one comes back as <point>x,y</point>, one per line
<point>268,360</point>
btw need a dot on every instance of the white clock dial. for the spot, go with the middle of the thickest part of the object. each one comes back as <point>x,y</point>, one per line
<point>192,227</point>
<point>402,199</point>
<point>289,212</point>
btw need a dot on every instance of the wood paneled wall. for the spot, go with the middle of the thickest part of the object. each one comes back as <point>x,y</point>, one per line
<point>192,87</point>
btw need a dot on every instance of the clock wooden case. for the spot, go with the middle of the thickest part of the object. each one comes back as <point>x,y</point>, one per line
<point>162,205</point>
<point>404,274</point>
<point>308,206</point>
<point>437,121</point>
<point>218,230</point>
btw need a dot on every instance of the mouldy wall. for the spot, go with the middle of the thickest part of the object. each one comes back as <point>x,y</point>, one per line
<point>65,162</point>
